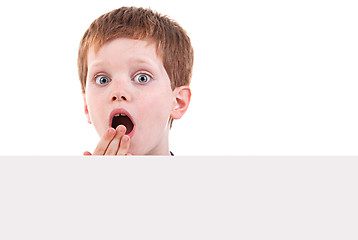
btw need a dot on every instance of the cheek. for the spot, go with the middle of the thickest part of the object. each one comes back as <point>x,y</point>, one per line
<point>96,110</point>
<point>157,106</point>
<point>95,99</point>
<point>92,105</point>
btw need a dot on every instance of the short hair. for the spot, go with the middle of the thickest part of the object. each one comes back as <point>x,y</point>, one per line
<point>172,43</point>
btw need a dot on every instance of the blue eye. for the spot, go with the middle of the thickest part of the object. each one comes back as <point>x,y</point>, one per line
<point>102,80</point>
<point>142,78</point>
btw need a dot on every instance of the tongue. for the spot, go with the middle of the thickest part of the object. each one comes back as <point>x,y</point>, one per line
<point>127,123</point>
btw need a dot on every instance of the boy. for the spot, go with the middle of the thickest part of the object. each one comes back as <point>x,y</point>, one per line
<point>135,68</point>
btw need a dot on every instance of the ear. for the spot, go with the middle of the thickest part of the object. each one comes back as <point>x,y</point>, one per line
<point>181,101</point>
<point>86,109</point>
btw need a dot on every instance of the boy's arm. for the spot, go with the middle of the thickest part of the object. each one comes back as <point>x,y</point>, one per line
<point>113,142</point>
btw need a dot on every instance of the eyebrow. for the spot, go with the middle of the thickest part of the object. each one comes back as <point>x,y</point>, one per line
<point>132,60</point>
<point>143,61</point>
<point>95,64</point>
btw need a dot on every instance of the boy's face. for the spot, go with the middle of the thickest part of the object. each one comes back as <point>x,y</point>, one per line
<point>127,77</point>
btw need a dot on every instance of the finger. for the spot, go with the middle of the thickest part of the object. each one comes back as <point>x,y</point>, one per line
<point>104,142</point>
<point>129,154</point>
<point>124,146</point>
<point>114,144</point>
<point>86,153</point>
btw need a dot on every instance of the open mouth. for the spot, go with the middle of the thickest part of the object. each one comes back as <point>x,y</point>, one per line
<point>122,119</point>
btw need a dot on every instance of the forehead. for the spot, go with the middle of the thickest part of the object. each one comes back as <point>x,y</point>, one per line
<point>124,49</point>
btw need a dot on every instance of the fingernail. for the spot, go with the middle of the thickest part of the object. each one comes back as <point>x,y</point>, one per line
<point>125,138</point>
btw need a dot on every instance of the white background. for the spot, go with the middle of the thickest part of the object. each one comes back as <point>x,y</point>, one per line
<point>270,77</point>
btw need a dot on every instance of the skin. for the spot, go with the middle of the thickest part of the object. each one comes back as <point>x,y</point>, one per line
<point>115,80</point>
<point>113,142</point>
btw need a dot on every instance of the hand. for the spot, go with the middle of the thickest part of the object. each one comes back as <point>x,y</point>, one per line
<point>113,142</point>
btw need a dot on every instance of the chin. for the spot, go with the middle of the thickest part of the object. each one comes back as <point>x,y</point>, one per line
<point>137,150</point>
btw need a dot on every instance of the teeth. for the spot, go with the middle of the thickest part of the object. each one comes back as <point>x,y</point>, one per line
<point>120,114</point>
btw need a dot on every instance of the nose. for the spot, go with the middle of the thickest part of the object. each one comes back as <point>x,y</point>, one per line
<point>120,92</point>
<point>114,98</point>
